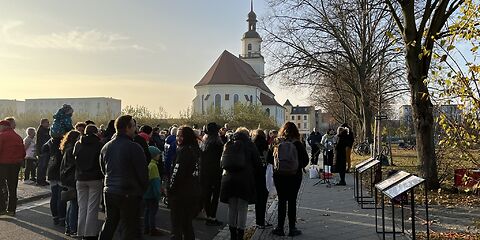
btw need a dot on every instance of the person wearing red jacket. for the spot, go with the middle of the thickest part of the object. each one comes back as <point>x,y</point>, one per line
<point>12,153</point>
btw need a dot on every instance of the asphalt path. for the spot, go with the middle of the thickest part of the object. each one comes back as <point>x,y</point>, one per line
<point>33,221</point>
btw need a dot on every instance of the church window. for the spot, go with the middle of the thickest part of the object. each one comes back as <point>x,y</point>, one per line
<point>227,97</point>
<point>206,97</point>
<point>218,102</point>
<point>268,111</point>
<point>249,47</point>
<point>235,98</point>
<point>246,98</point>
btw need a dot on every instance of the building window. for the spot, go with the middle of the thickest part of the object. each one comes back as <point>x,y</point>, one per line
<point>227,97</point>
<point>218,102</point>
<point>305,125</point>
<point>235,98</point>
<point>305,117</point>
<point>298,125</point>
<point>268,111</point>
<point>293,117</point>
<point>249,47</point>
<point>299,117</point>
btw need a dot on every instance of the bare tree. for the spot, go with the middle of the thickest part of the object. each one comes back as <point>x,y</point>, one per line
<point>336,47</point>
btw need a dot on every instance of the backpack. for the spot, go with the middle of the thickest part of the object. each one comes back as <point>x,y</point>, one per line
<point>233,156</point>
<point>285,158</point>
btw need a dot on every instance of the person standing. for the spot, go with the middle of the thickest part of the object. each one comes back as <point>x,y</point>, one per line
<point>126,179</point>
<point>12,153</point>
<point>30,157</point>
<point>43,135</point>
<point>314,140</point>
<point>288,183</point>
<point>184,193</point>
<point>152,195</point>
<point>350,141</point>
<point>68,181</point>
<point>170,150</point>
<point>328,143</point>
<point>51,151</point>
<point>211,172</point>
<point>89,182</point>
<point>260,140</point>
<point>240,161</point>
<point>340,162</point>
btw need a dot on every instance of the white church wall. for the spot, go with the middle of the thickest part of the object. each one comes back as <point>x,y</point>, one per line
<point>223,90</point>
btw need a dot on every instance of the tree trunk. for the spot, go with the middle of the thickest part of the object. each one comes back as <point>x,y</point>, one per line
<point>367,121</point>
<point>423,122</point>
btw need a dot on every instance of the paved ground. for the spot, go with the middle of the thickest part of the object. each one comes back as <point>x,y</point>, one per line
<point>30,192</point>
<point>328,213</point>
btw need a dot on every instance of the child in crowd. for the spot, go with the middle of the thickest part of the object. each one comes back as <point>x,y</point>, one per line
<point>152,195</point>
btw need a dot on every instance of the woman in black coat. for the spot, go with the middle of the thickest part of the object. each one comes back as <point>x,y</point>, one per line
<point>184,191</point>
<point>340,163</point>
<point>238,186</point>
<point>211,172</point>
<point>260,140</point>
<point>288,185</point>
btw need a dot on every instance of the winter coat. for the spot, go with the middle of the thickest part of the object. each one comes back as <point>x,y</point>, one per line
<point>170,151</point>
<point>52,152</point>
<point>262,147</point>
<point>241,184</point>
<point>340,158</point>
<point>43,135</point>
<point>314,139</point>
<point>86,152</point>
<point>154,182</point>
<point>124,166</point>
<point>210,170</point>
<point>62,123</point>
<point>12,150</point>
<point>185,172</point>
<point>67,167</point>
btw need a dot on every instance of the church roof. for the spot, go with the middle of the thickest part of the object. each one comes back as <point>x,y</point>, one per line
<point>229,69</point>
<point>268,101</point>
<point>287,103</point>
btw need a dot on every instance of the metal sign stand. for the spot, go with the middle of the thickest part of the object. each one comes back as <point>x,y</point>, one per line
<point>398,184</point>
<point>373,167</point>
<point>356,190</point>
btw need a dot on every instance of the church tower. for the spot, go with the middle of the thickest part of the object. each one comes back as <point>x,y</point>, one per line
<point>251,45</point>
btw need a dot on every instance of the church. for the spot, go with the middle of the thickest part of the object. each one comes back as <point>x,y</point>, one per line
<point>233,79</point>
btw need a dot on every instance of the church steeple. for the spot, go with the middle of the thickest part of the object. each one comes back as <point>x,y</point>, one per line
<point>251,44</point>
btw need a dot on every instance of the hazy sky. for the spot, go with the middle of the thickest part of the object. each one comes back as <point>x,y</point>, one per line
<point>149,52</point>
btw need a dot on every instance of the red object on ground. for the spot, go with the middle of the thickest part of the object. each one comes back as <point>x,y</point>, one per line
<point>467,178</point>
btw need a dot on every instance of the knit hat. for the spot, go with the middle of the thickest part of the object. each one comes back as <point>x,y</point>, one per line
<point>5,123</point>
<point>154,151</point>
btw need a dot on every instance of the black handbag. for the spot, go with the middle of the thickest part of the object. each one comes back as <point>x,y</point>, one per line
<point>68,194</point>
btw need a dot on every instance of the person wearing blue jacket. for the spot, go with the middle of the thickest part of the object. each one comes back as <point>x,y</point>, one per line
<point>62,121</point>
<point>152,195</point>
<point>170,150</point>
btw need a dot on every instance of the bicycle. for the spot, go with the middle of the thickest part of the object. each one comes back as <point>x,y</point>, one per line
<point>362,148</point>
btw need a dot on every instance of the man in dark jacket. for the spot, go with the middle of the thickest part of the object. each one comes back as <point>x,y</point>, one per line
<point>12,153</point>
<point>53,155</point>
<point>126,179</point>
<point>314,140</point>
<point>43,135</point>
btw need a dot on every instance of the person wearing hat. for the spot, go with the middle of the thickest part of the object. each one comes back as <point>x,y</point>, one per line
<point>62,121</point>
<point>152,195</point>
<point>12,153</point>
<point>211,172</point>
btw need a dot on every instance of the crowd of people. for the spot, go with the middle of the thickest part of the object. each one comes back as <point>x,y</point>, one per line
<point>127,171</point>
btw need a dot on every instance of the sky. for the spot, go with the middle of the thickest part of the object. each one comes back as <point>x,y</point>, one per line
<point>149,52</point>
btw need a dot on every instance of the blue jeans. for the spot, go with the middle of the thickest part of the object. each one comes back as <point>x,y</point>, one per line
<point>151,209</point>
<point>72,216</point>
<point>57,206</point>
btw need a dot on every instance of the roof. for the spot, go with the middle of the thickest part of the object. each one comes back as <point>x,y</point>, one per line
<point>251,34</point>
<point>268,101</point>
<point>229,69</point>
<point>287,103</point>
<point>300,110</point>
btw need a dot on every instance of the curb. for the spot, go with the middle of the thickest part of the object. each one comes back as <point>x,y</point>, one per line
<point>33,198</point>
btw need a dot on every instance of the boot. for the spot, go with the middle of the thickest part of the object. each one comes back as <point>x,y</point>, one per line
<point>233,233</point>
<point>240,234</point>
